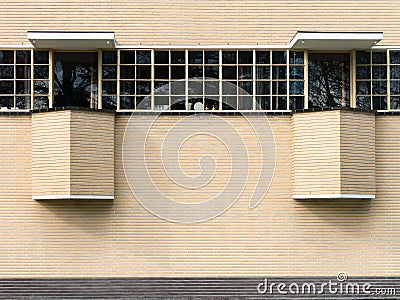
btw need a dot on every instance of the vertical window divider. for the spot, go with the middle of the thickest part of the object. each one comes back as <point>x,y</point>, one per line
<point>270,80</point>
<point>287,79</point>
<point>15,79</point>
<point>353,79</point>
<point>100,79</point>
<point>254,80</point>
<point>187,78</point>
<point>305,79</point>
<point>31,80</point>
<point>118,79</point>
<point>371,79</point>
<point>220,79</point>
<point>51,78</point>
<point>152,76</point>
<point>388,93</point>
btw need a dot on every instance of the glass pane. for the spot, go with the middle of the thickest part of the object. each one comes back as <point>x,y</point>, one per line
<point>161,103</point>
<point>263,102</point>
<point>379,57</point>
<point>7,72</point>
<point>363,57</point>
<point>262,88</point>
<point>195,57</point>
<point>296,87</point>
<point>127,87</point>
<point>212,72</point>
<point>229,72</point>
<point>23,87</point>
<point>212,57</point>
<point>263,72</point>
<point>363,102</point>
<point>395,57</point>
<point>41,87</point>
<point>127,102</point>
<point>296,57</point>
<point>379,72</point>
<point>23,72</point>
<point>379,87</point>
<point>161,72</point>
<point>363,72</point>
<point>279,72</point>
<point>109,72</point>
<point>41,57</point>
<point>246,72</point>
<point>161,88</point>
<point>6,57</point>
<point>195,103</point>
<point>296,103</point>
<point>211,104</point>
<point>245,102</point>
<point>75,79</point>
<point>395,102</point>
<point>178,72</point>
<point>279,102</point>
<point>110,87</point>
<point>143,57</point>
<point>178,88</point>
<point>161,57</point>
<point>279,88</point>
<point>395,87</point>
<point>229,57</point>
<point>109,102</point>
<point>41,72</point>
<point>363,87</point>
<point>246,87</point>
<point>229,103</point>
<point>143,87</point>
<point>23,102</point>
<point>211,87</point>
<point>177,57</point>
<point>229,88</point>
<point>296,72</point>
<point>41,102</point>
<point>195,88</point>
<point>379,102</point>
<point>143,72</point>
<point>23,56</point>
<point>7,87</point>
<point>127,57</point>
<point>395,72</point>
<point>279,57</point>
<point>195,71</point>
<point>262,57</point>
<point>143,102</point>
<point>6,102</point>
<point>246,57</point>
<point>128,72</point>
<point>109,57</point>
<point>178,103</point>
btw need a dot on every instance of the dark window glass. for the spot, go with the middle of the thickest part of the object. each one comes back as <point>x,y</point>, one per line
<point>229,72</point>
<point>329,79</point>
<point>246,72</point>
<point>296,87</point>
<point>262,57</point>
<point>211,87</point>
<point>229,103</point>
<point>363,87</point>
<point>229,57</point>
<point>379,57</point>
<point>229,88</point>
<point>279,102</point>
<point>143,102</point>
<point>109,102</point>
<point>212,72</point>
<point>41,72</point>
<point>41,87</point>
<point>127,57</point>
<point>379,87</point>
<point>23,57</point>
<point>41,57</point>
<point>127,102</point>
<point>195,57</point>
<point>263,102</point>
<point>109,57</point>
<point>363,72</point>
<point>195,87</point>
<point>245,57</point>
<point>394,72</point>
<point>75,79</point>
<point>195,71</point>
<point>212,57</point>
<point>279,72</point>
<point>395,102</point>
<point>379,102</point>
<point>161,87</point>
<point>178,103</point>
<point>379,72</point>
<point>143,57</point>
<point>6,102</point>
<point>245,102</point>
<point>6,57</point>
<point>262,88</point>
<point>143,72</point>
<point>23,87</point>
<point>246,87</point>
<point>395,57</point>
<point>161,72</point>
<point>110,72</point>
<point>178,72</point>
<point>279,57</point>
<point>363,57</point>
<point>40,102</point>
<point>395,87</point>
<point>128,72</point>
<point>143,87</point>
<point>363,102</point>
<point>23,102</point>
<point>211,104</point>
<point>7,87</point>
<point>296,102</point>
<point>296,57</point>
<point>296,72</point>
<point>110,87</point>
<point>23,72</point>
<point>279,87</point>
<point>177,57</point>
<point>127,88</point>
<point>178,88</point>
<point>6,72</point>
<point>161,103</point>
<point>263,72</point>
<point>161,57</point>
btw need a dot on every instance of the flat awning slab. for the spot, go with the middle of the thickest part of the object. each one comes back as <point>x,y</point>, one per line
<point>335,40</point>
<point>71,40</point>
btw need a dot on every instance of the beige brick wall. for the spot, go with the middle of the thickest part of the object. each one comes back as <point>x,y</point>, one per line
<point>206,22</point>
<point>279,237</point>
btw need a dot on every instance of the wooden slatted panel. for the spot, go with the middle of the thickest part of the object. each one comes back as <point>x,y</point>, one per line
<point>184,22</point>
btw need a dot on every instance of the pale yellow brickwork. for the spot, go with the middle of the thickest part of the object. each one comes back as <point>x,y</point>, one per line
<point>206,22</point>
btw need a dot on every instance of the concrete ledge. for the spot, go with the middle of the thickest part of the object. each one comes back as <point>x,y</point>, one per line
<point>72,197</point>
<point>333,196</point>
